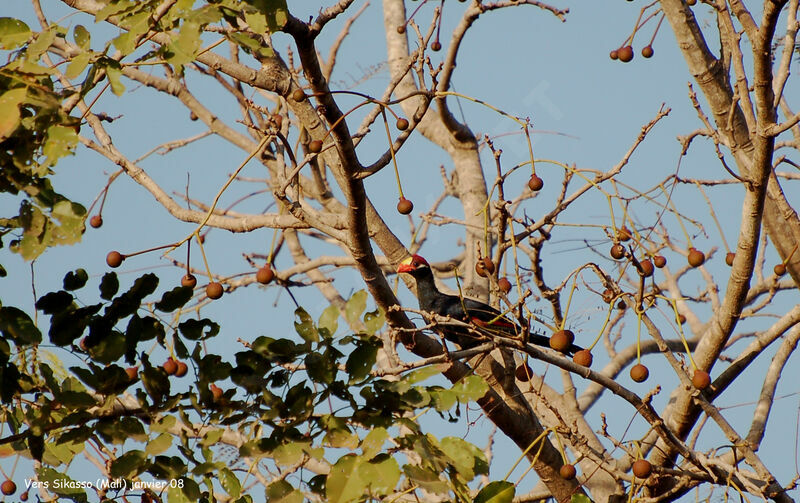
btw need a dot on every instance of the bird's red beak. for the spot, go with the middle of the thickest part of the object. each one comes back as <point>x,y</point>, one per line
<point>407,265</point>
<point>412,263</point>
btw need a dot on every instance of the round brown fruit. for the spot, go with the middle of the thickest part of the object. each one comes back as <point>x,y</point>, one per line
<point>402,124</point>
<point>480,268</point>
<point>96,221</point>
<point>562,340</point>
<point>488,265</point>
<point>621,305</point>
<point>659,261</point>
<point>701,379</point>
<point>639,373</point>
<point>535,183</point>
<point>188,280</point>
<point>696,257</point>
<point>617,251</point>
<point>646,268</point>
<point>681,318</point>
<point>523,372</point>
<point>436,46</point>
<point>401,29</point>
<point>132,372</point>
<point>216,392</point>
<point>608,295</point>
<point>193,116</point>
<point>729,258</point>
<point>647,51</point>
<point>214,290</point>
<point>583,357</point>
<point>567,472</point>
<point>298,95</point>
<point>780,269</point>
<point>642,468</point>
<point>24,496</point>
<point>623,234</point>
<point>181,370</point>
<point>170,366</point>
<point>691,2</point>
<point>613,55</point>
<point>625,54</point>
<point>315,146</point>
<point>114,259</point>
<point>404,206</point>
<point>265,275</point>
<point>277,119</point>
<point>504,284</point>
<point>8,487</point>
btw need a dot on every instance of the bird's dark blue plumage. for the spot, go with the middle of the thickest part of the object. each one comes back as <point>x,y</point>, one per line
<point>484,319</point>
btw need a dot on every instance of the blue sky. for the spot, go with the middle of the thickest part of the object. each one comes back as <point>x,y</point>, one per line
<point>586,109</point>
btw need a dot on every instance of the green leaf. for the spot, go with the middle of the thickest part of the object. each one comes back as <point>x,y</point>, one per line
<point>82,36</point>
<point>71,217</point>
<point>276,12</point>
<point>580,498</point>
<point>471,388</point>
<point>288,454</point>
<point>426,479</point>
<point>442,399</point>
<point>54,302</point>
<point>320,367</point>
<point>41,43</point>
<point>341,438</point>
<point>373,442</point>
<point>77,65</point>
<point>16,325</point>
<point>184,48</point>
<point>75,280</point>
<point>283,492</point>
<point>499,491</point>
<point>120,430</point>
<point>109,348</point>
<point>13,33</point>
<point>136,25</point>
<point>60,142</point>
<point>164,424</point>
<point>360,361</point>
<point>114,72</point>
<point>329,320</point>
<point>230,483</point>
<point>355,306</point>
<point>61,484</point>
<point>129,465</point>
<point>176,495</point>
<point>257,21</point>
<point>190,488</point>
<point>344,483</point>
<point>420,375</point>
<point>467,459</point>
<point>9,110</point>
<point>109,286</point>
<point>197,330</point>
<point>374,320</point>
<point>382,473</point>
<point>175,298</point>
<point>305,327</point>
<point>111,9</point>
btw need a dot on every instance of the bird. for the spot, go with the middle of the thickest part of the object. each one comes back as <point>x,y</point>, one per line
<point>483,318</point>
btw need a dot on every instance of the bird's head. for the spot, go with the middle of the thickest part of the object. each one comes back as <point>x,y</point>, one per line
<point>413,264</point>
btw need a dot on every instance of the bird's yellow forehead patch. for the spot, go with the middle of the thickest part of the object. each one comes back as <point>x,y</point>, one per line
<point>407,261</point>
